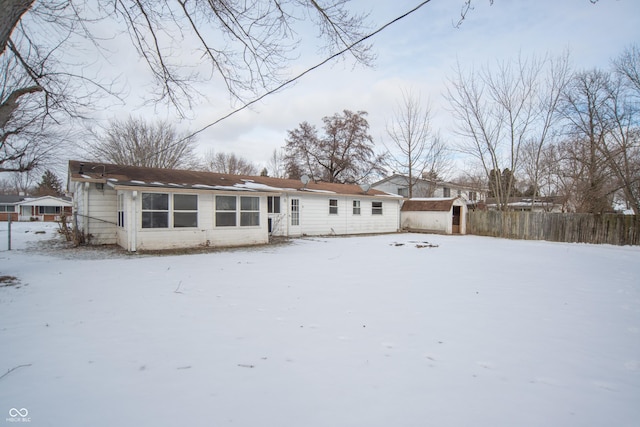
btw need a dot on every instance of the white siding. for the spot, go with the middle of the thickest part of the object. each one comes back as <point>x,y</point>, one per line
<point>206,234</point>
<point>315,219</point>
<point>436,221</point>
<point>96,215</point>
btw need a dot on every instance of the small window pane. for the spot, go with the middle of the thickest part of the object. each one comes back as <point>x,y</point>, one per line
<point>185,202</point>
<point>225,219</point>
<point>185,219</point>
<point>155,219</point>
<point>155,202</point>
<point>249,203</point>
<point>249,219</point>
<point>226,203</point>
<point>273,204</point>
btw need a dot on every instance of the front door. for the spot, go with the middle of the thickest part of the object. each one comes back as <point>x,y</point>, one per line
<point>456,220</point>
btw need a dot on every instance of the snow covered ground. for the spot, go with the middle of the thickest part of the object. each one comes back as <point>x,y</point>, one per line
<point>362,331</point>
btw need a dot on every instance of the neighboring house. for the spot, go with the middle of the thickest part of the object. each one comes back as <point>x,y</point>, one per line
<point>153,209</point>
<point>435,215</point>
<point>22,208</point>
<point>527,204</point>
<point>425,188</point>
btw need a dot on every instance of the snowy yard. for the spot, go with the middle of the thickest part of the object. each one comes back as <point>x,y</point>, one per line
<point>362,331</point>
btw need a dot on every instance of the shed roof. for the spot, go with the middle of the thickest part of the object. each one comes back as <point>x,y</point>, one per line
<point>198,180</point>
<point>436,204</point>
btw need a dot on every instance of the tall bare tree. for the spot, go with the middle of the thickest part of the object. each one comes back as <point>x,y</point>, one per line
<point>228,163</point>
<point>498,110</point>
<point>586,106</point>
<point>343,154</point>
<point>277,166</point>
<point>415,150</point>
<point>246,45</point>
<point>137,142</point>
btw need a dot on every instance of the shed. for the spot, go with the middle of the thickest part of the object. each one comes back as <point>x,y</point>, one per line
<point>435,215</point>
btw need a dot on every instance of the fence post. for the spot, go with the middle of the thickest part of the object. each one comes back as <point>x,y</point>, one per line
<point>9,233</point>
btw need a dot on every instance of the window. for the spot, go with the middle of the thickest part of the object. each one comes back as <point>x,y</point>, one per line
<point>273,204</point>
<point>249,211</point>
<point>333,206</point>
<point>155,210</point>
<point>7,208</point>
<point>473,196</point>
<point>376,208</point>
<point>295,212</point>
<point>121,210</point>
<point>356,207</point>
<point>48,210</point>
<point>404,192</point>
<point>446,192</point>
<point>185,210</point>
<point>225,211</point>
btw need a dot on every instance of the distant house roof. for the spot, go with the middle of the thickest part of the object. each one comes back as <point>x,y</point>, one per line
<point>116,175</point>
<point>46,201</point>
<point>10,199</point>
<point>405,180</point>
<point>432,204</point>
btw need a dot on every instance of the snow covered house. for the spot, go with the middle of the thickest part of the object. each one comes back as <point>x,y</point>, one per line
<point>154,209</point>
<point>435,215</point>
<point>423,187</point>
<point>23,208</point>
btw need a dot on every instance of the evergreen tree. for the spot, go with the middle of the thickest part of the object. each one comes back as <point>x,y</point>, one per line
<point>49,185</point>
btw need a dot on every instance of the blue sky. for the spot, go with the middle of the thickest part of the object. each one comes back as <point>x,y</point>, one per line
<point>417,53</point>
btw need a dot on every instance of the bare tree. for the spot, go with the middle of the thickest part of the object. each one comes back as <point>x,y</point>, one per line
<point>497,111</point>
<point>136,142</point>
<point>277,166</point>
<point>585,107</point>
<point>246,45</point>
<point>415,150</point>
<point>343,154</point>
<point>228,163</point>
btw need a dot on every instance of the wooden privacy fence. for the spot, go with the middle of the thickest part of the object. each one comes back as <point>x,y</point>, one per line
<point>613,229</point>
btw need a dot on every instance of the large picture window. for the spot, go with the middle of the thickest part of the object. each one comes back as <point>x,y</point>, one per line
<point>225,211</point>
<point>249,211</point>
<point>155,210</point>
<point>49,210</point>
<point>185,210</point>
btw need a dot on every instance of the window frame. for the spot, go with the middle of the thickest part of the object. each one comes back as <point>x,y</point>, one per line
<point>154,212</point>
<point>356,207</point>
<point>186,213</point>
<point>272,206</point>
<point>43,211</point>
<point>295,212</point>
<point>446,192</point>
<point>333,206</point>
<point>376,210</point>
<point>250,215</point>
<point>226,213</point>
<point>121,210</point>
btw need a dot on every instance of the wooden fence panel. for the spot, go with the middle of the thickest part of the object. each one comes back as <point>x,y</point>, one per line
<point>611,229</point>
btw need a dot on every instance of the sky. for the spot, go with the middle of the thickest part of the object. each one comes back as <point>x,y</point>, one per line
<point>417,53</point>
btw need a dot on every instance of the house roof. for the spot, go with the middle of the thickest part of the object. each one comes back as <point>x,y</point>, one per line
<point>434,204</point>
<point>46,201</point>
<point>404,180</point>
<point>116,175</point>
<point>9,199</point>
